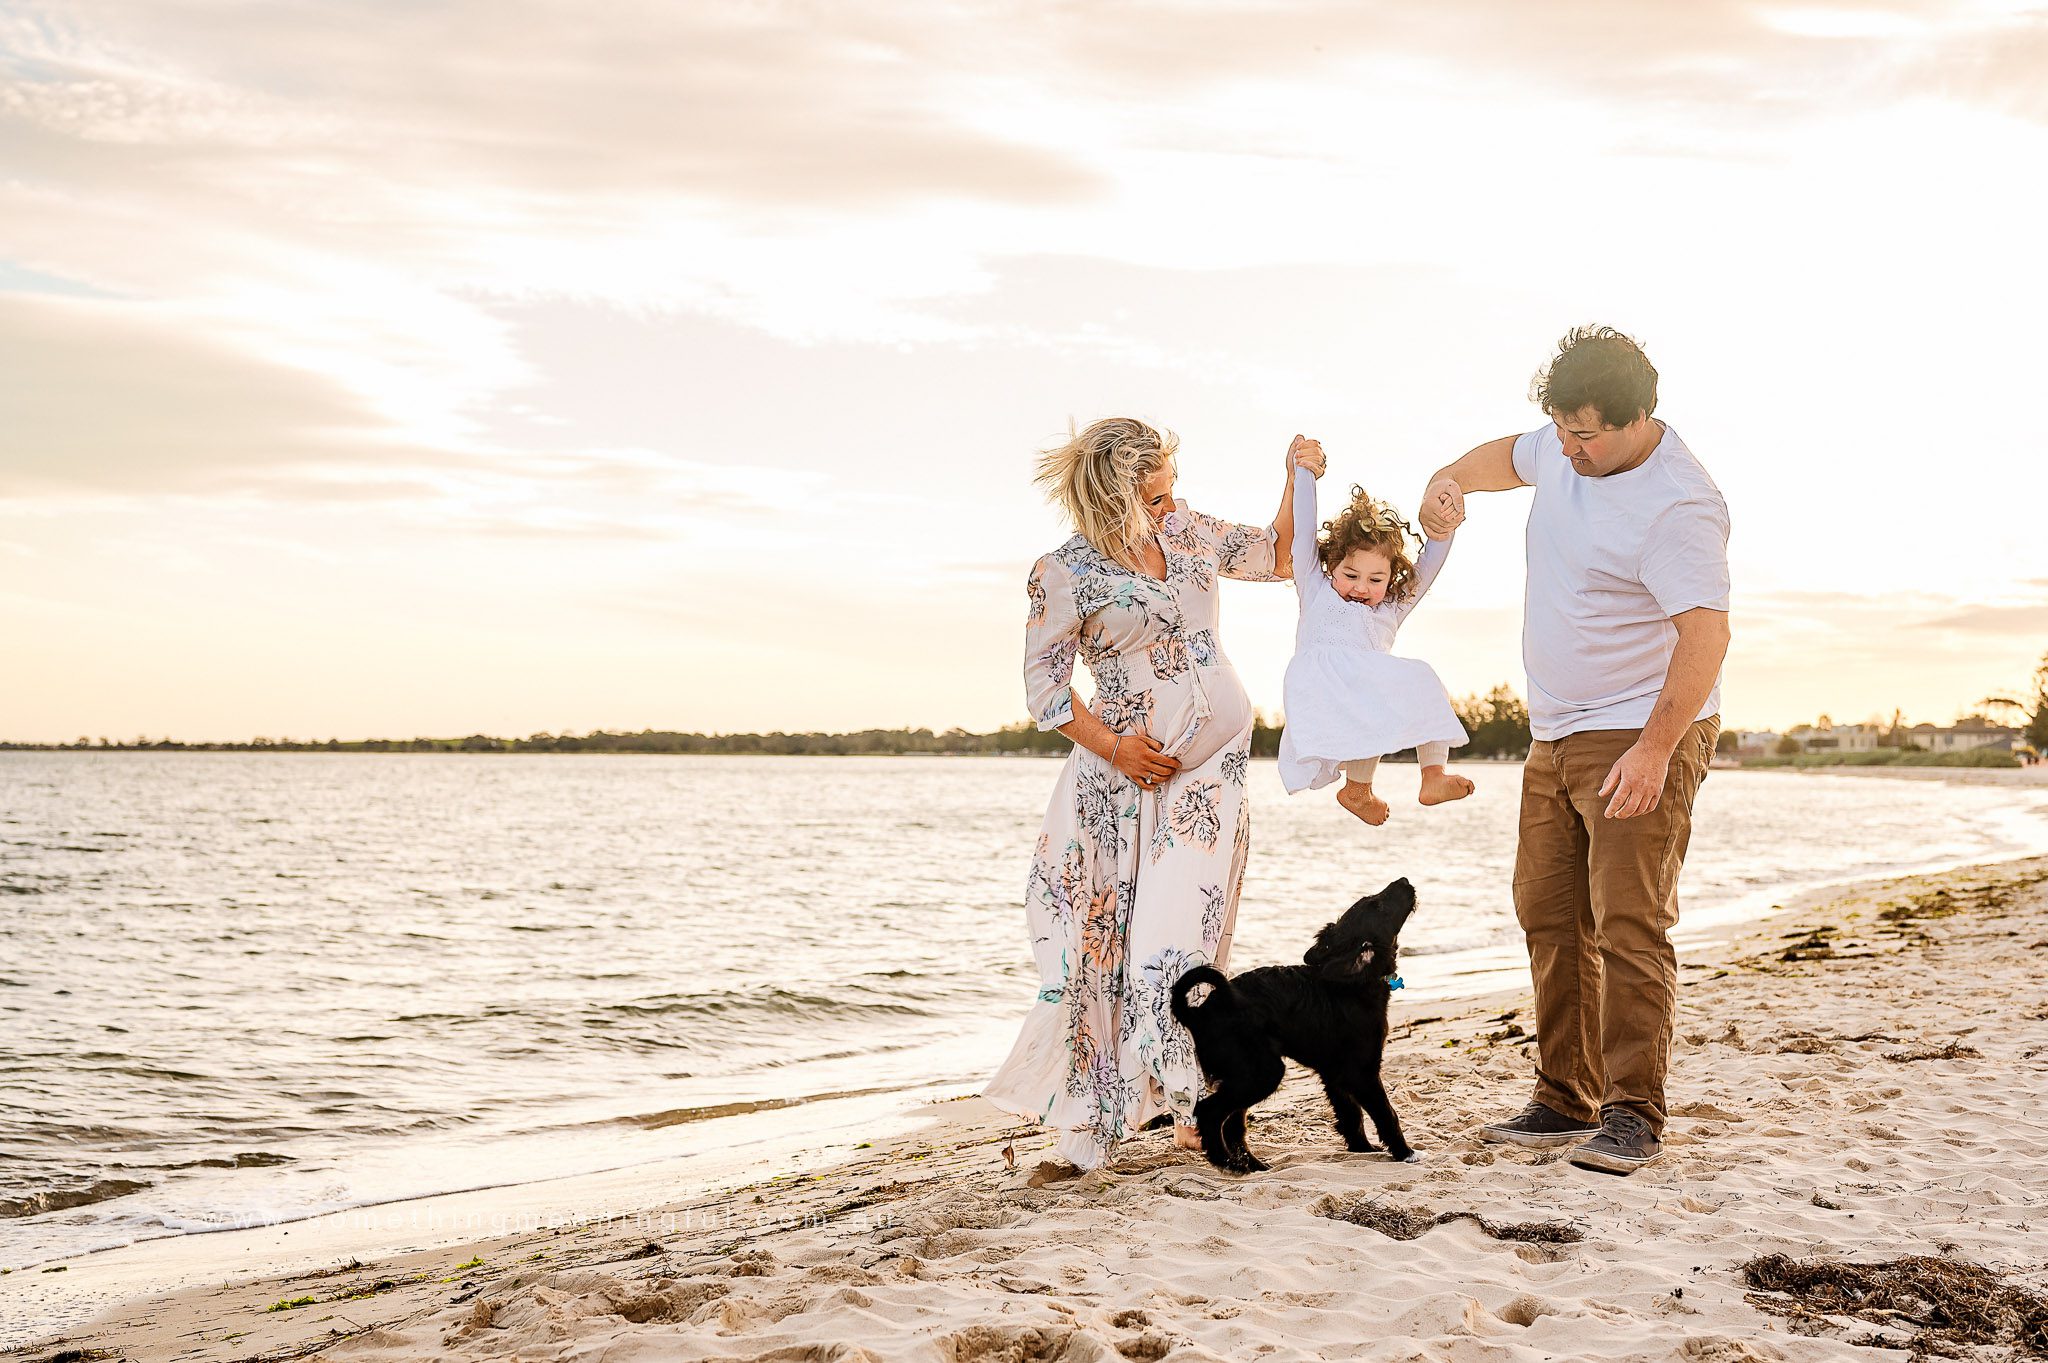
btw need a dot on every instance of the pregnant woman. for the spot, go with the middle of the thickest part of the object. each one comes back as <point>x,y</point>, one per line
<point>1137,870</point>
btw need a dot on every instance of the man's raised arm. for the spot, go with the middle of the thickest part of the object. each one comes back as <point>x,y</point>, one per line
<point>1488,468</point>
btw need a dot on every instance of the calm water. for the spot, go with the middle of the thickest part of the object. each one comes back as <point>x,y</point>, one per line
<point>249,987</point>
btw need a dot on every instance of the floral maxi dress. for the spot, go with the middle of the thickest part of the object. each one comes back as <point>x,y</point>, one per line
<point>1130,888</point>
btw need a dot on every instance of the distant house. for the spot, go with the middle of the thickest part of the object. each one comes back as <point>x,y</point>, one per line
<point>1972,732</point>
<point>1964,735</point>
<point>1836,737</point>
<point>1755,742</point>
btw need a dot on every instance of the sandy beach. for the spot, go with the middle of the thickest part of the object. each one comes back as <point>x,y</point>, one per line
<point>1863,1077</point>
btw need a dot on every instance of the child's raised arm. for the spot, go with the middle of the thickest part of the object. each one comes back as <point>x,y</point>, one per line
<point>1297,522</point>
<point>1428,564</point>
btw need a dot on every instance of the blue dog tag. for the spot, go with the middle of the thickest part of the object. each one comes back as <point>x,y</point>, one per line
<point>1393,982</point>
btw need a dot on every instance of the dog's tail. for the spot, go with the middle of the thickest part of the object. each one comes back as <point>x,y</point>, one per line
<point>1185,1012</point>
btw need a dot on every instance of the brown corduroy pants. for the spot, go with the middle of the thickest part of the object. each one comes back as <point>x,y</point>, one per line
<point>1597,899</point>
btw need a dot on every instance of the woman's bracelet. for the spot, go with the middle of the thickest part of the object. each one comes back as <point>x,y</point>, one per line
<point>1112,750</point>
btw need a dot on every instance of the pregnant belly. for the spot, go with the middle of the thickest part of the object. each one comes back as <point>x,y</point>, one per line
<point>1198,722</point>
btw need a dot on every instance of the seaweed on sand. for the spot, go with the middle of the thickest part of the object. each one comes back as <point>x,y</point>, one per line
<point>1948,1303</point>
<point>1406,1223</point>
<point>1954,1050</point>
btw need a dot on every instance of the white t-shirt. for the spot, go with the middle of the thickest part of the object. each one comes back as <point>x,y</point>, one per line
<point>1611,560</point>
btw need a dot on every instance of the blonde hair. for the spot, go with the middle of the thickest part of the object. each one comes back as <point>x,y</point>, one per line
<point>1095,478</point>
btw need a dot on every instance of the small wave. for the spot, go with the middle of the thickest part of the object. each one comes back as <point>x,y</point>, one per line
<point>145,1072</point>
<point>81,1131</point>
<point>811,1058</point>
<point>101,1190</point>
<point>654,1121</point>
<point>777,1002</point>
<point>254,1159</point>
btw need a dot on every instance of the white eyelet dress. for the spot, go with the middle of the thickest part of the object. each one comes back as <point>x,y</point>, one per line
<point>1347,696</point>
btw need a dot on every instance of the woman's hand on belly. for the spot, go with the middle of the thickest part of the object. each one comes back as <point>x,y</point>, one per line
<point>1137,756</point>
<point>1140,757</point>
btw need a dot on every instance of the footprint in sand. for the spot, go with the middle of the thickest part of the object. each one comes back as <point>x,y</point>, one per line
<point>1527,1310</point>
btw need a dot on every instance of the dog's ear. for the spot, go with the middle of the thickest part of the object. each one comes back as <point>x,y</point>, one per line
<point>1347,964</point>
<point>1329,944</point>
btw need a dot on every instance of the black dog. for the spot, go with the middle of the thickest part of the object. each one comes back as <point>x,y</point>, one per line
<point>1329,1013</point>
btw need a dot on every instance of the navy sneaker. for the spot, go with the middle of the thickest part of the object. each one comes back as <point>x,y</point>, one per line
<point>1539,1128</point>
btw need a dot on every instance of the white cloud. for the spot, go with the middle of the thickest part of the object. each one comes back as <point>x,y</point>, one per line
<point>126,398</point>
<point>561,309</point>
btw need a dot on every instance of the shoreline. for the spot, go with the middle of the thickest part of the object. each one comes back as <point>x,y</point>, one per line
<point>847,1222</point>
<point>1480,976</point>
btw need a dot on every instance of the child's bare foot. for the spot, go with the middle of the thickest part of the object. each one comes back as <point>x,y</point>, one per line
<point>1440,787</point>
<point>1357,797</point>
<point>1187,1137</point>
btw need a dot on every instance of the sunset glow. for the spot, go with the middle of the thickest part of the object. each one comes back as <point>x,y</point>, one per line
<point>464,368</point>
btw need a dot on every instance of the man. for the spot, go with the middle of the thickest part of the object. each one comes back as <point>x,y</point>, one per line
<point>1624,631</point>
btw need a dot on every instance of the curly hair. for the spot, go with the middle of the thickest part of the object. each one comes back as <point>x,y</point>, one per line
<point>1095,476</point>
<point>1370,524</point>
<point>1597,367</point>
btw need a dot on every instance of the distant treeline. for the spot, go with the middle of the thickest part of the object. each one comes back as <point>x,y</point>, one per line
<point>1498,723</point>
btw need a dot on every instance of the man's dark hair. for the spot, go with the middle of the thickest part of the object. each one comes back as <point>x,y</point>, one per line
<point>1598,367</point>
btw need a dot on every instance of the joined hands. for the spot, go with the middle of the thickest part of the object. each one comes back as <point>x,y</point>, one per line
<point>1304,453</point>
<point>1443,508</point>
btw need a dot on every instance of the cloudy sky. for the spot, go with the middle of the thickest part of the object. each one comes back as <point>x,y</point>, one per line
<point>426,368</point>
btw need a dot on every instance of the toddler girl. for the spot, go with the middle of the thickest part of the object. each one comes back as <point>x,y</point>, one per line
<point>1350,700</point>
